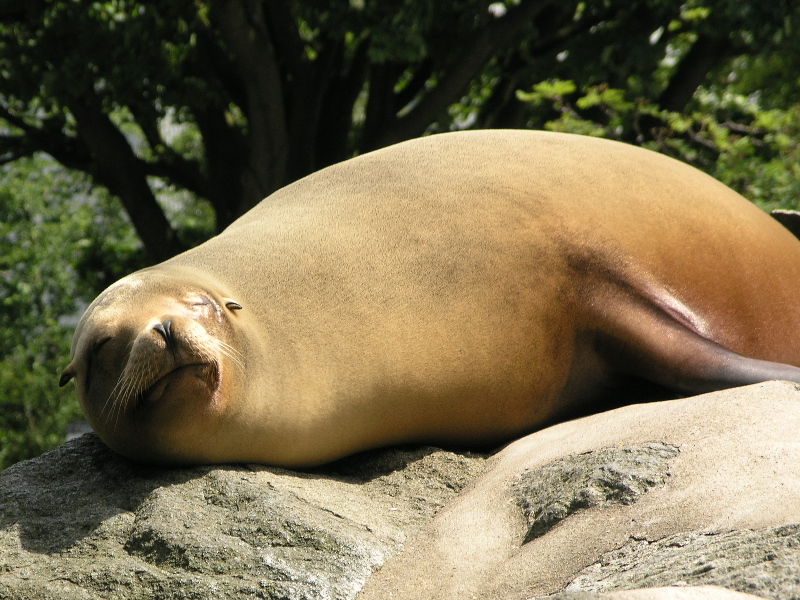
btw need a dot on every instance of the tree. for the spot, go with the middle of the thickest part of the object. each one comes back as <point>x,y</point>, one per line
<point>185,110</point>
<point>232,99</point>
<point>59,243</point>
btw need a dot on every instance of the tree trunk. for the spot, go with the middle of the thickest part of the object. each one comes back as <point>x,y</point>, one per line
<point>118,168</point>
<point>246,35</point>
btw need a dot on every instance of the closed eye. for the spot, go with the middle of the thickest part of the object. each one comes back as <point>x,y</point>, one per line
<point>201,300</point>
<point>99,344</point>
<point>90,359</point>
<point>203,304</point>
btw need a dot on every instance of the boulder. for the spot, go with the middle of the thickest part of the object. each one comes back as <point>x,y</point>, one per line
<point>702,491</point>
<point>81,522</point>
<point>693,499</point>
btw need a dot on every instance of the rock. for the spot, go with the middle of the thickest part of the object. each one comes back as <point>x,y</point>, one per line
<point>691,492</point>
<point>789,219</point>
<point>706,592</point>
<point>81,522</point>
<point>763,561</point>
<point>693,499</point>
<point>553,492</point>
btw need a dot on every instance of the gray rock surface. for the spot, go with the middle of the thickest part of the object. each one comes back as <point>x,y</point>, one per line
<point>764,562</point>
<point>789,219</point>
<point>552,493</point>
<point>82,523</point>
<point>619,514</point>
<point>682,500</point>
<point>706,592</point>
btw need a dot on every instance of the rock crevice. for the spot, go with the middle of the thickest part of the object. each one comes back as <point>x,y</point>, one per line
<point>553,492</point>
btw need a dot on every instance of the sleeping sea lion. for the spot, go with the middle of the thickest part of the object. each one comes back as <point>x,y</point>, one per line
<point>461,289</point>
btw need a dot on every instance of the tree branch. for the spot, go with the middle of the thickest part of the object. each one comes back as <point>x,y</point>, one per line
<point>13,147</point>
<point>49,137</point>
<point>502,109</point>
<point>567,32</point>
<point>416,85</point>
<point>13,119</point>
<point>149,126</point>
<point>118,168</point>
<point>485,43</point>
<point>11,150</point>
<point>704,55</point>
<point>179,171</point>
<point>168,164</point>
<point>246,35</point>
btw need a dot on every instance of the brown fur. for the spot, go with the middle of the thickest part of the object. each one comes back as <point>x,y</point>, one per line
<point>460,289</point>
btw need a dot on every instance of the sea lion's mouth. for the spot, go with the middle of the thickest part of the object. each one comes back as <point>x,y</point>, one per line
<point>196,378</point>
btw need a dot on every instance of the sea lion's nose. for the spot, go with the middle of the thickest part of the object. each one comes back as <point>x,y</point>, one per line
<point>165,330</point>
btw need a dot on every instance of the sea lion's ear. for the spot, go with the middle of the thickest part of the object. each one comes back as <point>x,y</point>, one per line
<point>232,304</point>
<point>66,376</point>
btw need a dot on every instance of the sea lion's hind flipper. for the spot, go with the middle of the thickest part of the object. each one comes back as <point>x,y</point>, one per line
<point>649,342</point>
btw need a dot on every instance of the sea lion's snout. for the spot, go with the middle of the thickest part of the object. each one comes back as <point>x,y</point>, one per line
<point>173,346</point>
<point>164,329</point>
<point>169,349</point>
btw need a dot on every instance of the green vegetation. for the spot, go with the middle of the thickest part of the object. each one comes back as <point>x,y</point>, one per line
<point>730,136</point>
<point>131,130</point>
<point>60,241</point>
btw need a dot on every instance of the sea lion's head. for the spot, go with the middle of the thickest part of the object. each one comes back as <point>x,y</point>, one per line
<point>154,359</point>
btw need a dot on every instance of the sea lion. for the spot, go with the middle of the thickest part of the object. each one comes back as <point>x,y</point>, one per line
<point>463,289</point>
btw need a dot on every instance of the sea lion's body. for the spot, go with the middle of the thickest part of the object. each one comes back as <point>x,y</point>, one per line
<point>464,289</point>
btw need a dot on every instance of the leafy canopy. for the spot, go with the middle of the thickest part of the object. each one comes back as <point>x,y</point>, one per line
<point>130,130</point>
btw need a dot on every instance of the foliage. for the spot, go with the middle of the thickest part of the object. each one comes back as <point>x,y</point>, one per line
<point>182,114</point>
<point>232,99</point>
<point>729,135</point>
<point>60,242</point>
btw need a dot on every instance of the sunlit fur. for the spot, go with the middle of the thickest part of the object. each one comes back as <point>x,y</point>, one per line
<point>461,289</point>
<point>145,364</point>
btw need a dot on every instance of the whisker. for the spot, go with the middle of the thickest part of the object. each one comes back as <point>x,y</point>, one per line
<point>237,358</point>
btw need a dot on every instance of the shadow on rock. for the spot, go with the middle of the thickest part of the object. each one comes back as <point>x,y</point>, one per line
<point>82,522</point>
